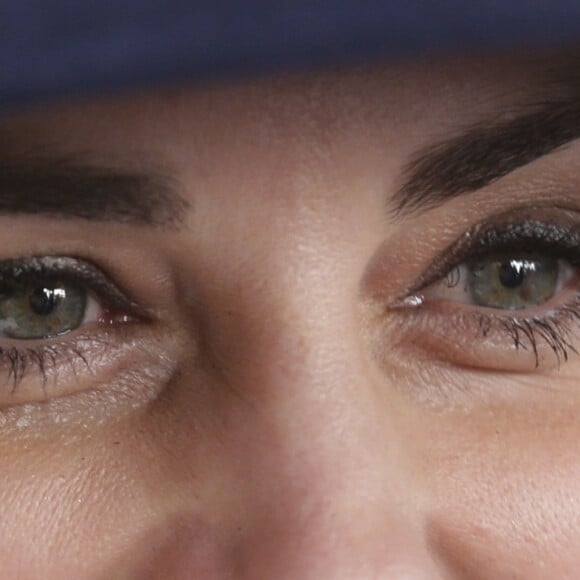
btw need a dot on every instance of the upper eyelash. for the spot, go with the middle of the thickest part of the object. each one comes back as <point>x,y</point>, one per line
<point>526,235</point>
<point>73,269</point>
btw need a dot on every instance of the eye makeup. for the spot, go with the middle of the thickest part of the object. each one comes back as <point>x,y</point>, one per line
<point>70,268</point>
<point>471,333</point>
<point>85,345</point>
<point>552,231</point>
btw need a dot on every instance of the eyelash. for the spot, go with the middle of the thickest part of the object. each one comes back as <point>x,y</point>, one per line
<point>18,360</point>
<point>553,330</point>
<point>556,329</point>
<point>47,358</point>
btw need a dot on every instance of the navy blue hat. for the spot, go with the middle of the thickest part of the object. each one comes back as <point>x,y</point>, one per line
<point>50,48</point>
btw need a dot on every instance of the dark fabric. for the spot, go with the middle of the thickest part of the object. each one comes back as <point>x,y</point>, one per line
<point>54,47</point>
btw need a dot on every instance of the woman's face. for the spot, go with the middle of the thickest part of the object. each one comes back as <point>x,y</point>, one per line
<point>314,326</point>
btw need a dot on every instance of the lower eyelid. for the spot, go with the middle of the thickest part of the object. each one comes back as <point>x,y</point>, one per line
<point>81,360</point>
<point>121,379</point>
<point>490,339</point>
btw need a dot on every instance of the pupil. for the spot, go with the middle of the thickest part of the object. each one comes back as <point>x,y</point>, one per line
<point>512,273</point>
<point>44,301</point>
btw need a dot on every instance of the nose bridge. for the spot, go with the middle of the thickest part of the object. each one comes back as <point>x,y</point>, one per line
<point>323,479</point>
<point>292,346</point>
<point>313,454</point>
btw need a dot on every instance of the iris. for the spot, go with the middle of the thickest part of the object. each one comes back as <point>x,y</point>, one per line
<point>513,282</point>
<point>33,308</point>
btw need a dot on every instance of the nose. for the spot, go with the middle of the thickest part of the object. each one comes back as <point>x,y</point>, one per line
<point>312,461</point>
<point>317,452</point>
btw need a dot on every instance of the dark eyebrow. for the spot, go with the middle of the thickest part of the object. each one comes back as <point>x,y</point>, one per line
<point>68,188</point>
<point>489,150</point>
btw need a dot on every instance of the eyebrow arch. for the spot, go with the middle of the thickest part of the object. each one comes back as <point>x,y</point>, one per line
<point>485,153</point>
<point>65,188</point>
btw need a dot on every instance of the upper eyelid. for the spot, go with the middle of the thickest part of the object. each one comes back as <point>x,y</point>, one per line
<point>75,269</point>
<point>565,235</point>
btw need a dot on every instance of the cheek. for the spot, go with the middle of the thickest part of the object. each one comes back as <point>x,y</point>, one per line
<point>182,547</point>
<point>506,496</point>
<point>67,505</point>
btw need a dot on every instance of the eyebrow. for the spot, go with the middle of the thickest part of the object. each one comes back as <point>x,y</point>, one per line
<point>68,188</point>
<point>489,151</point>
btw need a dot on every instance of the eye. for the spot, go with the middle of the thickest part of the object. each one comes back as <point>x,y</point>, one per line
<point>505,295</point>
<point>46,297</point>
<point>41,307</point>
<point>504,281</point>
<point>58,315</point>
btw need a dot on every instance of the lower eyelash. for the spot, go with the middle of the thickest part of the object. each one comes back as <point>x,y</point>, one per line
<point>456,336</point>
<point>556,330</point>
<point>46,359</point>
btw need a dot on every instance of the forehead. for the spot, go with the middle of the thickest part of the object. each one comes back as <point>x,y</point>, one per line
<point>320,132</point>
<point>298,106</point>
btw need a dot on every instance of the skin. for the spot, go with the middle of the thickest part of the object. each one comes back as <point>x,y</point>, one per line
<point>275,416</point>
